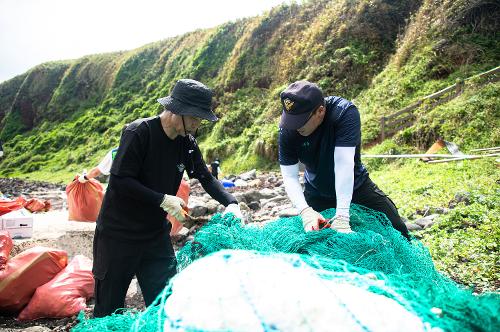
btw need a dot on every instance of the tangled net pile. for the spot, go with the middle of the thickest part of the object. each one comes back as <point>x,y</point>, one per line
<point>375,258</point>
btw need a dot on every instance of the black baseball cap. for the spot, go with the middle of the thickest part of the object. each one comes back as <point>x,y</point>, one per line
<point>190,97</point>
<point>299,100</point>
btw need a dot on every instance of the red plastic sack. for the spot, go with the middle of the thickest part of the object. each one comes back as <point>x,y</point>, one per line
<point>37,205</point>
<point>25,273</point>
<point>9,205</point>
<point>65,295</point>
<point>183,193</point>
<point>5,248</point>
<point>84,200</point>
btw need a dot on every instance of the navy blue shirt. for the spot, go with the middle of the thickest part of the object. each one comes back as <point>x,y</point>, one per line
<point>340,127</point>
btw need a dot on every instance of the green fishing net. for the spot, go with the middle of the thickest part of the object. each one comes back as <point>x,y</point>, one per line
<point>375,257</point>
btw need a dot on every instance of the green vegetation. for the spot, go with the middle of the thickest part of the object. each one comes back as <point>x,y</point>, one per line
<point>62,117</point>
<point>464,241</point>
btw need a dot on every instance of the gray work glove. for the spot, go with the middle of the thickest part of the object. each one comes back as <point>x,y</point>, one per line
<point>340,223</point>
<point>311,219</point>
<point>173,205</point>
<point>82,178</point>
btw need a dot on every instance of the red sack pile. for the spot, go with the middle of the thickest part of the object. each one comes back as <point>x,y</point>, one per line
<point>84,199</point>
<point>183,193</point>
<point>9,205</point>
<point>25,273</point>
<point>5,248</point>
<point>37,205</point>
<point>65,295</point>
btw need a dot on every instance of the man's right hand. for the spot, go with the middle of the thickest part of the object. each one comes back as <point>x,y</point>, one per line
<point>173,206</point>
<point>310,219</point>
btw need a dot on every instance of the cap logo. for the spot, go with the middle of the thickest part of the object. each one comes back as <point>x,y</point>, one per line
<point>288,104</point>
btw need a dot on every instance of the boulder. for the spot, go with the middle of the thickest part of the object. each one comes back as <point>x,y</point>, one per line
<point>289,212</point>
<point>197,207</point>
<point>413,227</point>
<point>266,193</point>
<point>254,205</point>
<point>426,222</point>
<point>250,175</point>
<point>240,183</point>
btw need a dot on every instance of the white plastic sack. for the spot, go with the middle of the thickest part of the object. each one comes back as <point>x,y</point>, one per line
<point>247,291</point>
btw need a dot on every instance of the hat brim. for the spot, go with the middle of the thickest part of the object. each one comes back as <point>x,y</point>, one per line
<point>293,121</point>
<point>177,107</point>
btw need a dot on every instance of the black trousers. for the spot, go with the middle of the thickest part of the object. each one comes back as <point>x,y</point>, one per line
<point>116,262</point>
<point>368,195</point>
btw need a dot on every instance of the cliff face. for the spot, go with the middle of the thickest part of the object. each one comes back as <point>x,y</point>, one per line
<point>380,53</point>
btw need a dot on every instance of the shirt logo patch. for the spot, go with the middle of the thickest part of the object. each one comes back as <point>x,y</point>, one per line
<point>288,104</point>
<point>181,167</point>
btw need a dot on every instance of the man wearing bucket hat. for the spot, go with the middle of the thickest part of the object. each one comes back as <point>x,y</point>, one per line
<point>325,135</point>
<point>132,236</point>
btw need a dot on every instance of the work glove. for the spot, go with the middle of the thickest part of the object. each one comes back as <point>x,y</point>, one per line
<point>82,178</point>
<point>173,205</point>
<point>234,209</point>
<point>340,223</point>
<point>311,219</point>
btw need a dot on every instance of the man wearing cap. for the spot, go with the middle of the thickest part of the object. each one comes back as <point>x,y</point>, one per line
<point>132,235</point>
<point>325,135</point>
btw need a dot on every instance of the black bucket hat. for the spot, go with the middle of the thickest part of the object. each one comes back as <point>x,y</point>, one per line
<point>190,97</point>
<point>299,100</point>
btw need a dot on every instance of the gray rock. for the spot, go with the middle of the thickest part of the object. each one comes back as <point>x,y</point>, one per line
<point>37,329</point>
<point>247,213</point>
<point>464,197</point>
<point>254,195</point>
<point>277,199</point>
<point>280,191</point>
<point>254,205</point>
<point>250,175</point>
<point>193,182</point>
<point>413,227</point>
<point>198,211</point>
<point>133,288</point>
<point>271,179</point>
<point>197,207</point>
<point>241,183</point>
<point>440,210</point>
<point>426,222</point>
<point>212,206</point>
<point>266,193</point>
<point>240,197</point>
<point>269,205</point>
<point>289,212</point>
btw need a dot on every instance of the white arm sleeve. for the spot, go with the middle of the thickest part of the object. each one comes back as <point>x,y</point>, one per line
<point>105,164</point>
<point>344,178</point>
<point>292,186</point>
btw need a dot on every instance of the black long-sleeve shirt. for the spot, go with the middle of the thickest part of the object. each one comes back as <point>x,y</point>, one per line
<point>147,166</point>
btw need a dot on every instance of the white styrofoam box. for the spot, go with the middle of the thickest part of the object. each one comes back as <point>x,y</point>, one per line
<point>18,223</point>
